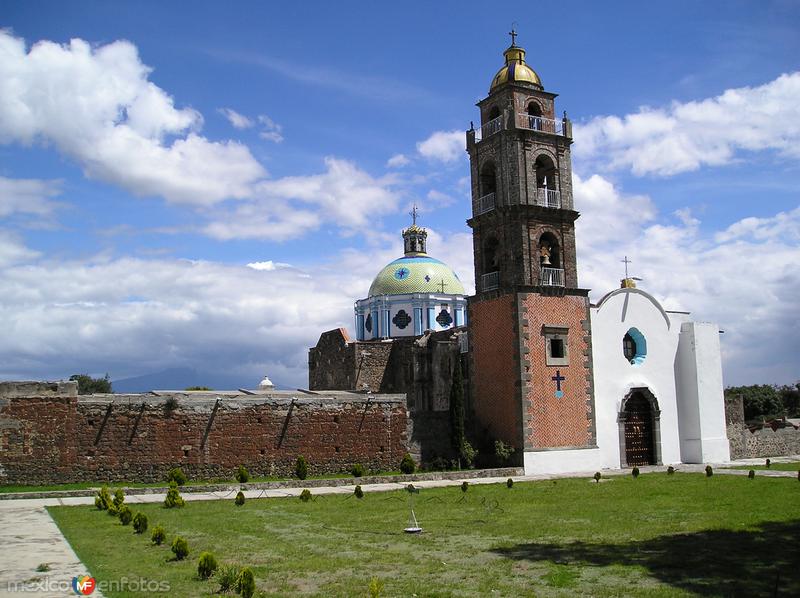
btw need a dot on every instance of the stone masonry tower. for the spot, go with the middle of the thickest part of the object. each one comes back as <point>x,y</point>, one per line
<point>530,334</point>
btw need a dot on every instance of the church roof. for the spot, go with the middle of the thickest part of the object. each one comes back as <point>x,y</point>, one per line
<point>515,70</point>
<point>416,274</point>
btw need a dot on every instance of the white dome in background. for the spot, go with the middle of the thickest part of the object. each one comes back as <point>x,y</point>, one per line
<point>266,384</point>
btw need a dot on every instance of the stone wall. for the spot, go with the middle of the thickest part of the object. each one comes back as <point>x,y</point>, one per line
<point>766,442</point>
<point>49,434</point>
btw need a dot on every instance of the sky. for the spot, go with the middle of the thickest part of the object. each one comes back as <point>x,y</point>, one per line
<point>212,185</point>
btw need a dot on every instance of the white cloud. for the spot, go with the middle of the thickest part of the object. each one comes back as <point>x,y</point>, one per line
<point>270,130</point>
<point>28,196</point>
<point>686,136</point>
<point>268,265</point>
<point>745,278</point>
<point>443,146</point>
<point>439,199</point>
<point>238,121</point>
<point>97,106</point>
<point>397,161</point>
<point>13,250</point>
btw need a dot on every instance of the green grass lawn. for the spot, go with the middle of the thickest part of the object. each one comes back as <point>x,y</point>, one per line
<point>657,535</point>
<point>792,466</point>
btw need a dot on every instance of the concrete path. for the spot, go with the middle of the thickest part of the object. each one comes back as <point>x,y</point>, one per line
<point>29,536</point>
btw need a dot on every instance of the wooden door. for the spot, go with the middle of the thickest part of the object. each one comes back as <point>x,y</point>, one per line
<point>638,431</point>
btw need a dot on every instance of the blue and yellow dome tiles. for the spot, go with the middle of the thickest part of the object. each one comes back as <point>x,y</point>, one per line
<point>416,274</point>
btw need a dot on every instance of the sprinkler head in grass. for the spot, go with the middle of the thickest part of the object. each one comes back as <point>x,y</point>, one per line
<point>751,474</point>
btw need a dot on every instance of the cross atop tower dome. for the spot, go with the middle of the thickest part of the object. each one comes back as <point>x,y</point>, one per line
<point>414,237</point>
<point>515,70</point>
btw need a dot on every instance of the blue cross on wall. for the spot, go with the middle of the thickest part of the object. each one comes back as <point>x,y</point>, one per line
<point>558,379</point>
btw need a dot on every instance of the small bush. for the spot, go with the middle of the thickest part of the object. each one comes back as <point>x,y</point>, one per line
<point>242,475</point>
<point>103,499</point>
<point>464,486</point>
<point>301,468</point>
<point>176,475</point>
<point>358,492</point>
<point>597,476</point>
<point>227,576</point>
<point>158,536</point>
<point>357,470</point>
<point>246,583</point>
<point>439,464</point>
<point>173,498</point>
<point>635,472</point>
<point>407,464</point>
<point>751,474</point>
<point>305,495</point>
<point>43,567</point>
<point>670,470</point>
<point>180,548</point>
<point>410,489</point>
<point>509,483</point>
<point>119,498</point>
<point>239,500</point>
<point>503,452</point>
<point>206,565</point>
<point>140,523</point>
<point>125,514</point>
<point>709,471</point>
<point>467,454</point>
<point>170,405</point>
<point>768,463</point>
<point>375,587</point>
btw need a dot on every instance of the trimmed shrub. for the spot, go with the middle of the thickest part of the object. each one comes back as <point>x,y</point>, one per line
<point>246,583</point>
<point>158,536</point>
<point>410,488</point>
<point>635,472</point>
<point>357,470</point>
<point>768,463</point>
<point>239,500</point>
<point>125,514</point>
<point>206,565</point>
<point>464,486</point>
<point>119,498</point>
<point>103,499</point>
<point>305,495</point>
<point>670,470</point>
<point>180,548</point>
<point>242,475</point>
<point>358,492</point>
<point>709,471</point>
<point>751,474</point>
<point>176,475</point>
<point>509,483</point>
<point>226,576</point>
<point>140,523</point>
<point>407,464</point>
<point>173,498</point>
<point>597,476</point>
<point>467,454</point>
<point>301,468</point>
<point>503,452</point>
<point>170,405</point>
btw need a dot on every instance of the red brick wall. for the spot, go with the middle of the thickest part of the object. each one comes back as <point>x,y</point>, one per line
<point>53,438</point>
<point>550,421</point>
<point>495,368</point>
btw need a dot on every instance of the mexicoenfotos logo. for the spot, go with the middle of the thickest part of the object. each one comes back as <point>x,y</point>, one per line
<point>83,585</point>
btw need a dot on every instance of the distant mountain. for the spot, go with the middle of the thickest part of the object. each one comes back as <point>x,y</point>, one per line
<point>180,378</point>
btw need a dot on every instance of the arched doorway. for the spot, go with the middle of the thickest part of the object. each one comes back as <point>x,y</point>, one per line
<point>639,433</point>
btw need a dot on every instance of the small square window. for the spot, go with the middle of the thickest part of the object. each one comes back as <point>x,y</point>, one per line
<point>556,347</point>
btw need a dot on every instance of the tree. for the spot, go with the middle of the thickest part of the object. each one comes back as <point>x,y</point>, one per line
<point>790,397</point>
<point>457,435</point>
<point>760,400</point>
<point>88,385</point>
<point>198,388</point>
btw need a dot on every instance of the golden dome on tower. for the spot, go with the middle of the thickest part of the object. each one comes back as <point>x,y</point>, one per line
<point>515,70</point>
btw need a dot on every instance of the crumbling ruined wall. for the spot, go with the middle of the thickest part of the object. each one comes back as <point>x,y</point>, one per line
<point>55,436</point>
<point>764,442</point>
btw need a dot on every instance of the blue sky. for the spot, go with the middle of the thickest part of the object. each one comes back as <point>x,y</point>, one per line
<point>146,163</point>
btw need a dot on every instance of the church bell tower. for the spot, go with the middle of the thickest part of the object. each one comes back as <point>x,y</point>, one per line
<point>530,333</point>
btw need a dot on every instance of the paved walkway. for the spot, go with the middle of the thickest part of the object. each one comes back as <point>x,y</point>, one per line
<point>29,536</point>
